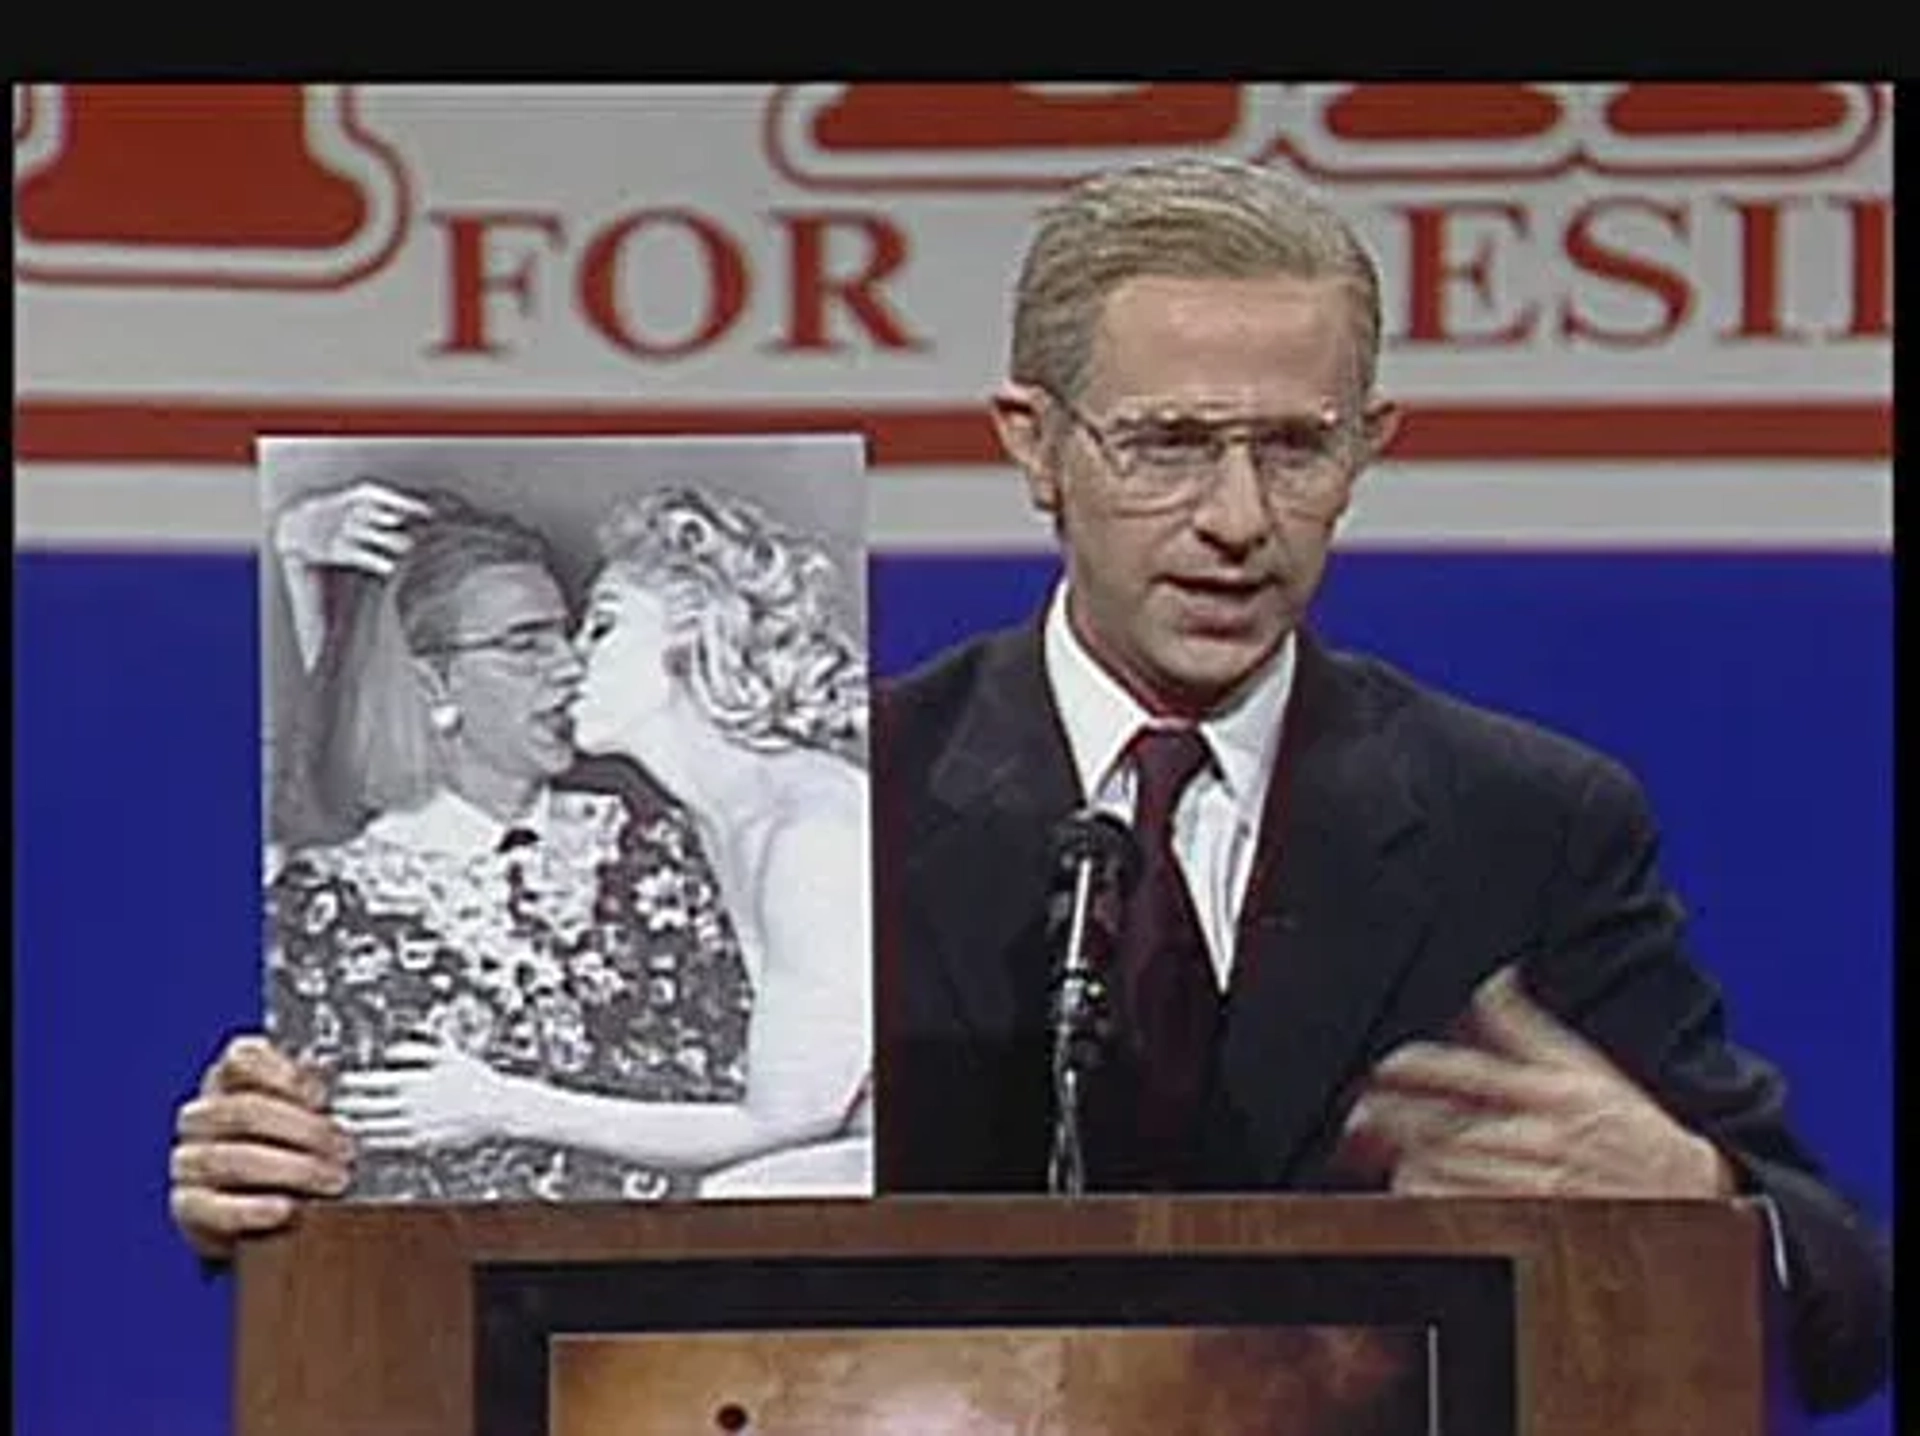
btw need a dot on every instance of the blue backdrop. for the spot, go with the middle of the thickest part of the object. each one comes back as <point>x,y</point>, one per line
<point>1751,693</point>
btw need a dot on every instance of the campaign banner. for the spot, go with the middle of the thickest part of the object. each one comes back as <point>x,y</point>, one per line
<point>1620,314</point>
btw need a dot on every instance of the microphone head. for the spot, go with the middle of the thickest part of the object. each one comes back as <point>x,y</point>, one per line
<point>1096,835</point>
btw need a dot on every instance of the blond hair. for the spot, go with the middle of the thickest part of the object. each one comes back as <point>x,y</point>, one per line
<point>1185,218</point>
<point>752,609</point>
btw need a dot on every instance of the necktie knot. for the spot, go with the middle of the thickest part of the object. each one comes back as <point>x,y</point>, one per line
<point>516,837</point>
<point>1165,761</point>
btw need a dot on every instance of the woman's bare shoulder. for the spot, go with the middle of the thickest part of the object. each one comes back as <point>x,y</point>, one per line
<point>823,792</point>
<point>816,847</point>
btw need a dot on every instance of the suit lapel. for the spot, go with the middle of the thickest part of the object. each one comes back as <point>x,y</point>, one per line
<point>982,875</point>
<point>1337,910</point>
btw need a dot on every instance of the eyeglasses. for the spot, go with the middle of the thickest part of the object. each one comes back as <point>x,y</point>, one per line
<point>533,646</point>
<point>1168,461</point>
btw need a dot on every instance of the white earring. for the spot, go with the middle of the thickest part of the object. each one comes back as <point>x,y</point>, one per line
<point>444,717</point>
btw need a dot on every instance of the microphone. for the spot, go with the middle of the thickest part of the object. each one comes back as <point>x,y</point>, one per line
<point>1095,861</point>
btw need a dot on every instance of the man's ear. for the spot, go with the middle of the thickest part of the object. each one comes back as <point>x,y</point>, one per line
<point>1017,418</point>
<point>1379,428</point>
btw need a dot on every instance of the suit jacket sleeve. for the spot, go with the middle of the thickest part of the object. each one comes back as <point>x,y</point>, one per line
<point>1615,967</point>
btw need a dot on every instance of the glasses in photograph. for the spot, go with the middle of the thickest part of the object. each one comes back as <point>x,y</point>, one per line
<point>534,645</point>
<point>1168,461</point>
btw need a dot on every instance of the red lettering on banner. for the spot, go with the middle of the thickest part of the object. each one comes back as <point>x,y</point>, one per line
<point>470,280</point>
<point>813,289</point>
<point>1870,223</point>
<point>213,165</point>
<point>890,116</point>
<point>1663,108</point>
<point>610,270</point>
<point>1403,113</point>
<point>1477,273</point>
<point>1761,277</point>
<point>727,282</point>
<point>1431,272</point>
<point>1591,256</point>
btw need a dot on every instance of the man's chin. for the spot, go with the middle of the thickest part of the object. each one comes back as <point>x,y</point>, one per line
<point>555,757</point>
<point>1211,669</point>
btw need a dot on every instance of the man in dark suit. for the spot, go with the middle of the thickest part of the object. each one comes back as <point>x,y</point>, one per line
<point>1380,939</point>
<point>1433,950</point>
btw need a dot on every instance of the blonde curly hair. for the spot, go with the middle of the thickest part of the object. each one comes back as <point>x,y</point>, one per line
<point>751,612</point>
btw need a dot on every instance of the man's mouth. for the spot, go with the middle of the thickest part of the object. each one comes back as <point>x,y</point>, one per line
<point>1222,590</point>
<point>1213,601</point>
<point>556,721</point>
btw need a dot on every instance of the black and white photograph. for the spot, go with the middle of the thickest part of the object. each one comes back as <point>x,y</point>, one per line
<point>566,830</point>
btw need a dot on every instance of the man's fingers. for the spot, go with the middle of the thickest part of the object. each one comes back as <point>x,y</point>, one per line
<point>1401,1123</point>
<point>1428,1146</point>
<point>251,1063</point>
<point>212,1220</point>
<point>1365,1150</point>
<point>1504,1019</point>
<point>1465,1076</point>
<point>257,1117</point>
<point>1453,1170</point>
<point>255,1166</point>
<point>1383,1125</point>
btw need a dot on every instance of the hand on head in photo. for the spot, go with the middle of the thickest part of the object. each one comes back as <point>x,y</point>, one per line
<point>447,666</point>
<point>361,525</point>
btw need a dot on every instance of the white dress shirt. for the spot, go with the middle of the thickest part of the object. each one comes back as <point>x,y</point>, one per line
<point>1216,825</point>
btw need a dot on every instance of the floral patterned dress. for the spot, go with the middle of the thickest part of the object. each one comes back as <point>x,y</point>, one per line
<point>598,958</point>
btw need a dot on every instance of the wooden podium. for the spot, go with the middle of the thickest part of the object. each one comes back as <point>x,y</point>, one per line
<point>1576,1318</point>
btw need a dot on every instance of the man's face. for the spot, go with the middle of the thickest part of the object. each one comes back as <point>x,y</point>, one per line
<point>1184,603</point>
<point>516,674</point>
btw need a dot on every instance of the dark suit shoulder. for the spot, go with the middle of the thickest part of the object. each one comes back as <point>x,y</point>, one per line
<point>913,710</point>
<point>1477,751</point>
<point>950,671</point>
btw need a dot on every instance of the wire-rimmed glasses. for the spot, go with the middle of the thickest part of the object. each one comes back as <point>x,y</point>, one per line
<point>530,645</point>
<point>1168,461</point>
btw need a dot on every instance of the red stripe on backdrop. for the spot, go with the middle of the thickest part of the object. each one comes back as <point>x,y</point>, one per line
<point>145,431</point>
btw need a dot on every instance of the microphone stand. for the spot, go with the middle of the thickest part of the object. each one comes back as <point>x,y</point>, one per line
<point>1076,1014</point>
<point>1101,856</point>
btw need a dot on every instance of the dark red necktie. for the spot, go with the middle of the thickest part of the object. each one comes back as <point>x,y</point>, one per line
<point>1171,1003</point>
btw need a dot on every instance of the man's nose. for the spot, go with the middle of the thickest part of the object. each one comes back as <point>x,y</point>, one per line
<point>1233,509</point>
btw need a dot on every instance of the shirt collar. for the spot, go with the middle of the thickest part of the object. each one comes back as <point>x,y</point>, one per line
<point>1100,717</point>
<point>448,823</point>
